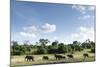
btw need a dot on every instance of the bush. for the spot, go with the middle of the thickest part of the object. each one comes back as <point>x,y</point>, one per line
<point>93,50</point>
<point>41,50</point>
<point>17,52</point>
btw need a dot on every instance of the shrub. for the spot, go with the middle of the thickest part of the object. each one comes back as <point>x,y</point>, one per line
<point>93,50</point>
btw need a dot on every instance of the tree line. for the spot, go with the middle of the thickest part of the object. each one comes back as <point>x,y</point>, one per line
<point>55,47</point>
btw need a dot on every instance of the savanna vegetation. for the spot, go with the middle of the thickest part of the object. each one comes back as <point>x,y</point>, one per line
<point>43,53</point>
<point>55,47</point>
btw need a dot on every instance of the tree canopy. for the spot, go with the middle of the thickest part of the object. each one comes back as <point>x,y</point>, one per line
<point>41,47</point>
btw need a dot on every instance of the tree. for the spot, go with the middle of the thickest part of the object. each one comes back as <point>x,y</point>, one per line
<point>62,48</point>
<point>43,42</point>
<point>75,42</point>
<point>41,50</point>
<point>14,43</point>
<point>14,48</point>
<point>92,47</point>
<point>88,44</point>
<point>69,49</point>
<point>55,43</point>
<point>26,42</point>
<point>92,44</point>
<point>77,46</point>
<point>72,48</point>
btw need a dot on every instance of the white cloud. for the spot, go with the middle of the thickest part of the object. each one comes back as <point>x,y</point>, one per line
<point>26,34</point>
<point>83,9</point>
<point>91,8</point>
<point>80,8</point>
<point>74,35</point>
<point>84,17</point>
<point>83,34</point>
<point>47,28</point>
<point>29,31</point>
<point>83,29</point>
<point>32,31</point>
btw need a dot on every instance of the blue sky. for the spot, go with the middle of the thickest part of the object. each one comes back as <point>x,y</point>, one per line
<point>63,22</point>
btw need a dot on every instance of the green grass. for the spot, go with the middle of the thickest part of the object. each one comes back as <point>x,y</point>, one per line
<point>78,57</point>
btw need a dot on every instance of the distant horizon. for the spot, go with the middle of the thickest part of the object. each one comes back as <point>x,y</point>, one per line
<point>49,43</point>
<point>31,21</point>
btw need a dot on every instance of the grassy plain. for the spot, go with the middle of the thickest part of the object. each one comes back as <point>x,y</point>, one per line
<point>78,57</point>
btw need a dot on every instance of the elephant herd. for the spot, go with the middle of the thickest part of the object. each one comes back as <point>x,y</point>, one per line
<point>57,57</point>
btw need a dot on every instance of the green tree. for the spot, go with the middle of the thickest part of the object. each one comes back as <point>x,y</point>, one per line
<point>43,42</point>
<point>41,50</point>
<point>77,46</point>
<point>55,43</point>
<point>62,48</point>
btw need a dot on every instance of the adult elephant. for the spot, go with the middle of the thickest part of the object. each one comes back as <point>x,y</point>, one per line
<point>85,55</point>
<point>70,56</point>
<point>45,57</point>
<point>29,58</point>
<point>58,57</point>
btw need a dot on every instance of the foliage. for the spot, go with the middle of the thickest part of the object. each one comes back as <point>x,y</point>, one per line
<point>41,47</point>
